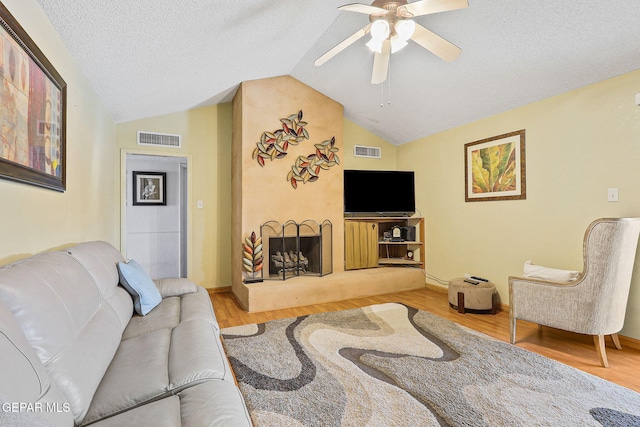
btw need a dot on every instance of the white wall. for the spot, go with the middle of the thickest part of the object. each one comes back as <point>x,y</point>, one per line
<point>153,232</point>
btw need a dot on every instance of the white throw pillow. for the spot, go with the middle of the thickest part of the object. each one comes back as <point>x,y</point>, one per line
<point>546,273</point>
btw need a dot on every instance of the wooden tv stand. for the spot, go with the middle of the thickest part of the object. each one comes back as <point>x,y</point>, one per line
<point>367,247</point>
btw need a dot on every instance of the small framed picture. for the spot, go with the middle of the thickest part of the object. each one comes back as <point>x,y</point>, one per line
<point>149,188</point>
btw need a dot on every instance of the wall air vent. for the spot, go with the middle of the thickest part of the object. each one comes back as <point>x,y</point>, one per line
<point>364,151</point>
<point>159,139</point>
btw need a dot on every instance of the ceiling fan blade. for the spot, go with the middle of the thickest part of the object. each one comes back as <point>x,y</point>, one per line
<point>435,44</point>
<point>381,64</point>
<point>342,45</point>
<point>364,8</point>
<point>425,7</point>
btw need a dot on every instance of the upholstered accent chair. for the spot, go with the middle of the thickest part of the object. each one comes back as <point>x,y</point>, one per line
<point>593,304</point>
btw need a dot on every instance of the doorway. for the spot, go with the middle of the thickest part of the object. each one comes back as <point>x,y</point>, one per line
<point>156,235</point>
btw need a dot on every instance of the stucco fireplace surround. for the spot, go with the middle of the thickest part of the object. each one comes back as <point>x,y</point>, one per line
<point>265,190</point>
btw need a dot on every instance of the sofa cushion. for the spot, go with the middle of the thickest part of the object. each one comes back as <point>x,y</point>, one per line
<point>100,259</point>
<point>214,403</point>
<point>161,413</point>
<point>144,292</point>
<point>152,363</point>
<point>57,304</point>
<point>137,374</point>
<point>165,316</point>
<point>173,310</point>
<point>196,354</point>
<point>171,287</point>
<point>198,306</point>
<point>24,379</point>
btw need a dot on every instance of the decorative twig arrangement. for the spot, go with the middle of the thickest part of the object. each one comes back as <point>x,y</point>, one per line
<point>274,145</point>
<point>252,259</point>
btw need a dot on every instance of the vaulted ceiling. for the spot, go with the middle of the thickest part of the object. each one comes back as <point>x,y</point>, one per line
<point>151,57</point>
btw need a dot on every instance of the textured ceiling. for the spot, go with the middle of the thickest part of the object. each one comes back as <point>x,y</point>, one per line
<point>150,57</point>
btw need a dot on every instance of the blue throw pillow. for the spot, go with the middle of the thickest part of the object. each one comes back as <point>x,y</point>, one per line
<point>144,292</point>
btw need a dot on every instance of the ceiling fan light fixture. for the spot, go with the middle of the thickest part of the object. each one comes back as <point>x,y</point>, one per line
<point>391,27</point>
<point>375,45</point>
<point>380,30</point>
<point>396,43</point>
<point>405,29</point>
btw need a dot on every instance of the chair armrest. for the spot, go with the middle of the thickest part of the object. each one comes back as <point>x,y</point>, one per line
<point>546,302</point>
<point>542,282</point>
<point>173,287</point>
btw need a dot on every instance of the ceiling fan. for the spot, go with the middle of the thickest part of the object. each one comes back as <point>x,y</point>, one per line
<point>391,27</point>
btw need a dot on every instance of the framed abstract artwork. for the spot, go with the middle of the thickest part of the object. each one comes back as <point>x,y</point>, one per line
<point>149,188</point>
<point>32,111</point>
<point>495,168</point>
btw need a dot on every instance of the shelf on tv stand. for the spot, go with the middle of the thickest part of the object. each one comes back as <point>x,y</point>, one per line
<point>398,261</point>
<point>366,248</point>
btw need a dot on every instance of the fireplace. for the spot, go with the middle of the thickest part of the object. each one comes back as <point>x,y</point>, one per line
<point>296,249</point>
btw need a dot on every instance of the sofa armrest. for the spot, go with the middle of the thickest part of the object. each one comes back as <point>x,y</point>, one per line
<point>175,286</point>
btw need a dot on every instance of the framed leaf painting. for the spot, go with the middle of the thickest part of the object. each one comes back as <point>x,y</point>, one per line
<point>32,111</point>
<point>495,168</point>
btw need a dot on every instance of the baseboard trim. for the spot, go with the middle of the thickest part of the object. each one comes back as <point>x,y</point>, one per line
<point>219,290</point>
<point>442,289</point>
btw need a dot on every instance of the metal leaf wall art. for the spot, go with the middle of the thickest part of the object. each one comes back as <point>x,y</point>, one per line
<point>274,145</point>
<point>306,169</point>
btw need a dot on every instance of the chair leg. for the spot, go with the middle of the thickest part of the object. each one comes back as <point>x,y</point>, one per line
<point>601,349</point>
<point>512,327</point>
<point>616,341</point>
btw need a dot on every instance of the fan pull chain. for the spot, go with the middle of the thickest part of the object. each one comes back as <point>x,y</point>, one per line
<point>388,81</point>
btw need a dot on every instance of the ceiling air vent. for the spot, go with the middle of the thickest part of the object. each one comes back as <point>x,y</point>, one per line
<point>159,139</point>
<point>364,151</point>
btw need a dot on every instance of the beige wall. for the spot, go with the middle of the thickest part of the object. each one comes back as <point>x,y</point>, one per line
<point>206,142</point>
<point>578,145</point>
<point>356,135</point>
<point>32,219</point>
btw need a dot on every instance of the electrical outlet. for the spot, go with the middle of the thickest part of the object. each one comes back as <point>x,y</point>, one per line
<point>612,195</point>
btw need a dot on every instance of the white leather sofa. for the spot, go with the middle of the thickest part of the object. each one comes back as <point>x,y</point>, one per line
<point>72,351</point>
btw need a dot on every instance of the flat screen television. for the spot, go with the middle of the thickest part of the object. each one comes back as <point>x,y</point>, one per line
<point>379,193</point>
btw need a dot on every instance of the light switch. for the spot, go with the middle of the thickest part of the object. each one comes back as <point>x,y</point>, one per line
<point>612,195</point>
<point>201,204</point>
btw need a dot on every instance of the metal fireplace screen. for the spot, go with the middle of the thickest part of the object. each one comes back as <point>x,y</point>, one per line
<point>303,249</point>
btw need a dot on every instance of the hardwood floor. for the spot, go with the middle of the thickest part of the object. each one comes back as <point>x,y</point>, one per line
<point>571,349</point>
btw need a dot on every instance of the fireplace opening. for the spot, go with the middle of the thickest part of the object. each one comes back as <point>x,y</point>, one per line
<point>297,249</point>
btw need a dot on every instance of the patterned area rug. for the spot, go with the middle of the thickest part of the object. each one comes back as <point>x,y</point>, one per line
<point>393,365</point>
